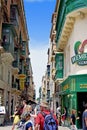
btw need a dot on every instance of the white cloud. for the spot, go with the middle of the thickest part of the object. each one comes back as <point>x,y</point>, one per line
<point>38,0</point>
<point>39,61</point>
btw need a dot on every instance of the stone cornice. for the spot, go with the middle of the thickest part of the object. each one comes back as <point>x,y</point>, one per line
<point>67,14</point>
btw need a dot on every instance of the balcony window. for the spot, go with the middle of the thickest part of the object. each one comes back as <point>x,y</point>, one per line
<point>15,55</point>
<point>6,1</point>
<point>27,61</point>
<point>8,35</point>
<point>16,59</point>
<point>14,14</point>
<point>23,51</point>
<point>5,17</point>
<point>48,70</point>
<point>17,84</point>
<point>20,67</point>
<point>8,77</point>
<point>5,36</point>
<point>59,65</point>
<point>1,72</point>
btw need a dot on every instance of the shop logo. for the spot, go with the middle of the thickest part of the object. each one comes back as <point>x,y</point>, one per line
<point>80,50</point>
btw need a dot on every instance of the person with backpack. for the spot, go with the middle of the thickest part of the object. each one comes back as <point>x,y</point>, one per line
<point>45,119</point>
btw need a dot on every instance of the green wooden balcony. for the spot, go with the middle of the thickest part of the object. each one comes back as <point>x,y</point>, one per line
<point>8,35</point>
<point>6,47</point>
<point>72,5</point>
<point>59,65</point>
<point>66,7</point>
<point>15,85</point>
<point>14,14</point>
<point>23,53</point>
<point>15,64</point>
<point>59,74</point>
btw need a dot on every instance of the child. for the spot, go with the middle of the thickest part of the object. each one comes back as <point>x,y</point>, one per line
<point>26,123</point>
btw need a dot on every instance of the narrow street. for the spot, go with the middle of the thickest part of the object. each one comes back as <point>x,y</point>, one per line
<point>43,63</point>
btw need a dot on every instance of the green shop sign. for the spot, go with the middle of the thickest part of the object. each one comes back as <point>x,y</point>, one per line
<point>80,57</point>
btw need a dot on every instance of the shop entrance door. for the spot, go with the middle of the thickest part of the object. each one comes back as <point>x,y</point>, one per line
<point>81,100</point>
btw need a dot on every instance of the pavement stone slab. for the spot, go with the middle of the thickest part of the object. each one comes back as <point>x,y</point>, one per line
<point>8,127</point>
<point>63,128</point>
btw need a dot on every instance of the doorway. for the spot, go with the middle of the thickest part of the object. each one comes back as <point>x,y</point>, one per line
<point>81,101</point>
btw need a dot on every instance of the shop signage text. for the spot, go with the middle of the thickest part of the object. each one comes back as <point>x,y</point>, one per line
<point>65,87</point>
<point>80,59</point>
<point>83,85</point>
<point>80,55</point>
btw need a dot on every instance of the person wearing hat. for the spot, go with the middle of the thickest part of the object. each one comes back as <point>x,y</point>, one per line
<point>39,121</point>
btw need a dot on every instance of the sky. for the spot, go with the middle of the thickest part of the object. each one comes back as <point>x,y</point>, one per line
<point>38,17</point>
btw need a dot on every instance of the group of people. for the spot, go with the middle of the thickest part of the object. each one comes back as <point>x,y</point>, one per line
<point>22,114</point>
<point>84,119</point>
<point>26,119</point>
<point>62,117</point>
<point>73,118</point>
<point>45,119</point>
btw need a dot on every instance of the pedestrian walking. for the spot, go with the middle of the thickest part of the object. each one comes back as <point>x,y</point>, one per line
<point>64,116</point>
<point>45,116</point>
<point>33,116</point>
<point>84,118</point>
<point>73,120</point>
<point>26,107</point>
<point>26,122</point>
<point>16,117</point>
<point>58,113</point>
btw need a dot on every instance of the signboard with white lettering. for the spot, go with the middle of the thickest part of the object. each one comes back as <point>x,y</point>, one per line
<point>2,110</point>
<point>80,53</point>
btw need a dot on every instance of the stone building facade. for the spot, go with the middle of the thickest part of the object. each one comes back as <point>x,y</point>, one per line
<point>71,57</point>
<point>16,75</point>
